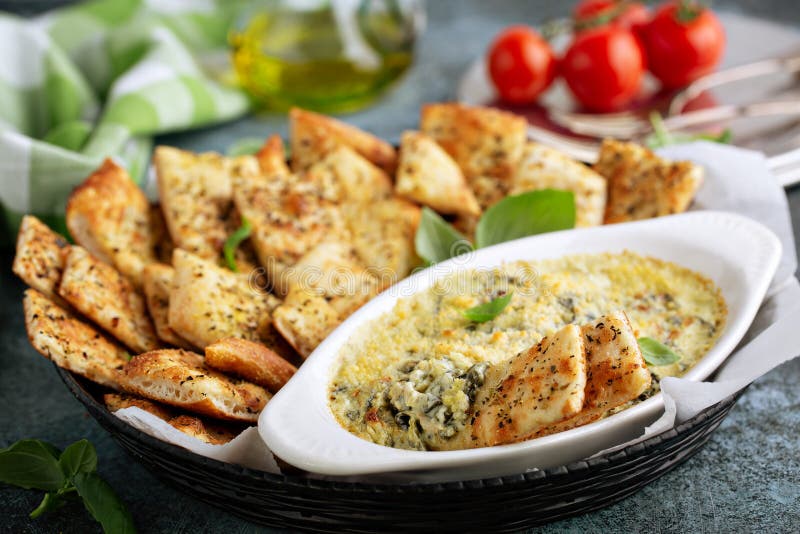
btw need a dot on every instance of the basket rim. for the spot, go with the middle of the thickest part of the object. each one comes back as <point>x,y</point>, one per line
<point>575,469</point>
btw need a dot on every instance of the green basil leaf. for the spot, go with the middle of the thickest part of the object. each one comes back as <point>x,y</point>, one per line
<point>244,147</point>
<point>80,457</point>
<point>661,137</point>
<point>436,240</point>
<point>50,502</point>
<point>233,242</point>
<point>724,137</point>
<point>488,311</point>
<point>31,464</point>
<point>656,353</point>
<point>535,212</point>
<point>52,449</point>
<point>103,503</point>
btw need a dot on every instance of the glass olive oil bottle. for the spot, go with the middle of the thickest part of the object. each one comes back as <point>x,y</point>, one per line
<point>331,56</point>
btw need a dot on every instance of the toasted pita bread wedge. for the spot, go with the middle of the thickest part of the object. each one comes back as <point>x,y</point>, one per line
<point>273,339</point>
<point>157,279</point>
<point>333,268</point>
<point>212,432</point>
<point>118,401</point>
<point>288,216</point>
<point>272,157</point>
<point>305,318</point>
<point>466,225</point>
<point>252,361</point>
<point>428,175</point>
<point>349,178</point>
<point>39,262</point>
<point>181,379</point>
<point>196,194</point>
<point>109,216</point>
<point>545,168</point>
<point>486,143</point>
<point>383,237</point>
<point>616,370</point>
<point>163,245</point>
<point>109,299</point>
<point>70,343</point>
<point>313,136</point>
<point>530,391</point>
<point>208,303</point>
<point>642,185</point>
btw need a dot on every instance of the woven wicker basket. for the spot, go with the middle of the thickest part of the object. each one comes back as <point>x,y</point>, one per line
<point>500,504</point>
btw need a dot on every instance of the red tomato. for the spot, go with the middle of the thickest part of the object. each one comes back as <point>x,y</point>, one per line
<point>679,48</point>
<point>593,13</point>
<point>521,64</point>
<point>603,68</point>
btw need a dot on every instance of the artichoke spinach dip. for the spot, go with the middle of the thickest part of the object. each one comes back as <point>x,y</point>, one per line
<point>407,379</point>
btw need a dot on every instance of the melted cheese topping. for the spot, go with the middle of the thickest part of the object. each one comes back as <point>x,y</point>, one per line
<point>407,378</point>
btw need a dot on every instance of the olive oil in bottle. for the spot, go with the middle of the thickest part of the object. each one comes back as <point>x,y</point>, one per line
<point>331,56</point>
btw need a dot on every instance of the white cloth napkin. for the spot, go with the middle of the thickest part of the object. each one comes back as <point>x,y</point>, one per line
<point>247,449</point>
<point>736,180</point>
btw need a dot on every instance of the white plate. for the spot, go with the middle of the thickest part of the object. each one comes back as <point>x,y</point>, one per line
<point>738,254</point>
<point>748,39</point>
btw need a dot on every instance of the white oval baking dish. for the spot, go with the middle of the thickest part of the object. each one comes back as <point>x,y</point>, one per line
<point>737,253</point>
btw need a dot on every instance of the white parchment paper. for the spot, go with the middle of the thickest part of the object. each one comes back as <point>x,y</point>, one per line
<point>736,180</point>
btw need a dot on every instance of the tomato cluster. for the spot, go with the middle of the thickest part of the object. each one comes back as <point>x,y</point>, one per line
<point>614,43</point>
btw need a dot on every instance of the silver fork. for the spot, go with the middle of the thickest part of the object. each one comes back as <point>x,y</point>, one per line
<point>785,167</point>
<point>629,124</point>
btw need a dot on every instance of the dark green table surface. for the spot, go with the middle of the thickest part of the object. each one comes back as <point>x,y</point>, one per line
<point>747,478</point>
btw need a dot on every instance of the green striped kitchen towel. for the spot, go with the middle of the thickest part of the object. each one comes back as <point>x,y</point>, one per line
<point>98,80</point>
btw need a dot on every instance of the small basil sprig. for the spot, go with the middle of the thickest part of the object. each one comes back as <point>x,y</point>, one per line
<point>247,146</point>
<point>35,464</point>
<point>244,147</point>
<point>656,353</point>
<point>488,311</point>
<point>662,137</point>
<point>233,242</point>
<point>531,213</point>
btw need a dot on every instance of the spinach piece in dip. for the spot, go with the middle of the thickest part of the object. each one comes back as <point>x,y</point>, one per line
<point>432,397</point>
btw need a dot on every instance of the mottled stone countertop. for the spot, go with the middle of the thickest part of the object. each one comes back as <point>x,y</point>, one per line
<point>747,478</point>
